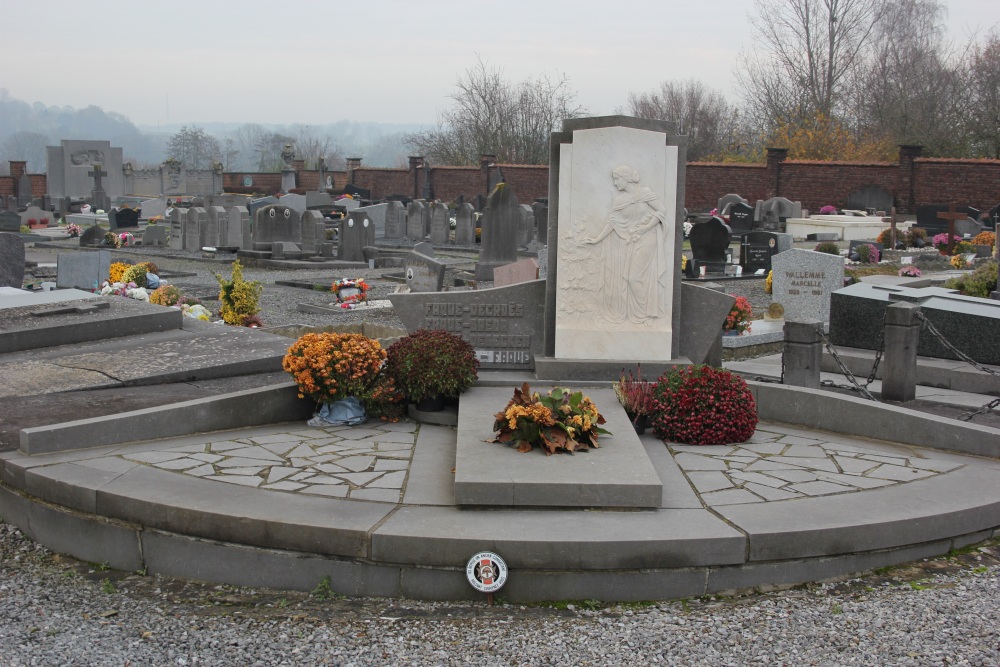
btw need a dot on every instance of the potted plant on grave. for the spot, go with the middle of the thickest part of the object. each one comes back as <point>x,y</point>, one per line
<point>636,396</point>
<point>703,405</point>
<point>940,241</point>
<point>739,317</point>
<point>345,375</point>
<point>429,366</point>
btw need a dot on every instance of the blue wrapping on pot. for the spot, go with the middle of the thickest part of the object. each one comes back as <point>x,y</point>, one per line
<point>348,412</point>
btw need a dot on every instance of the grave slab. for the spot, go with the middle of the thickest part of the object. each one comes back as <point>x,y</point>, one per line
<point>618,474</point>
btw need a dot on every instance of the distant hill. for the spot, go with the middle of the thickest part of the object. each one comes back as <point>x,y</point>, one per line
<point>26,129</point>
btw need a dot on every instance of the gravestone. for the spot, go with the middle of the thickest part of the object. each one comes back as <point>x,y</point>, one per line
<point>499,231</point>
<point>395,220</point>
<point>82,270</point>
<point>772,213</point>
<point>195,228</point>
<point>24,190</point>
<point>155,235</point>
<point>503,324</point>
<point>91,237</point>
<point>967,227</point>
<point>150,208</point>
<point>803,281</point>
<point>123,218</point>
<point>757,250</point>
<point>415,220</point>
<point>440,224</point>
<point>424,248</point>
<point>423,273</point>
<point>968,323</point>
<point>316,199</point>
<point>238,226</point>
<point>10,221</point>
<point>276,223</point>
<point>295,202</point>
<point>541,211</point>
<point>525,225</point>
<point>67,168</point>
<point>356,232</point>
<point>313,232</point>
<point>176,240</point>
<point>35,213</point>
<point>927,217</point>
<point>740,218</point>
<point>465,225</point>
<point>993,217</point>
<point>218,228</point>
<point>12,260</point>
<point>725,204</point>
<point>613,257</point>
<point>709,243</point>
<point>98,197</point>
<point>255,205</point>
<point>521,271</point>
<point>872,198</point>
<point>376,213</point>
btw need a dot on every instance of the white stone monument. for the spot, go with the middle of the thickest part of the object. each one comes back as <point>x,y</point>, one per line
<point>619,192</point>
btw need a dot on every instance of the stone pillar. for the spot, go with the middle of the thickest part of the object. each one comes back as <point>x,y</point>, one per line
<point>906,186</point>
<point>415,162</point>
<point>802,353</point>
<point>902,335</point>
<point>486,162</point>
<point>775,156</point>
<point>352,164</point>
<point>714,356</point>
<point>17,169</point>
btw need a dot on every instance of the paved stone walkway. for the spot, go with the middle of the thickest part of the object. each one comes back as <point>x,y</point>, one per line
<point>367,462</point>
<point>779,463</point>
<point>372,462</point>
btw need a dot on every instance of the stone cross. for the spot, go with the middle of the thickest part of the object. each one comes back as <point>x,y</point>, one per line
<point>951,215</point>
<point>892,226</point>
<point>98,193</point>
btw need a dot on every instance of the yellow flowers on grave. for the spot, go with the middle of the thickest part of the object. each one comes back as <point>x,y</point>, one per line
<point>561,420</point>
<point>769,282</point>
<point>117,270</point>
<point>239,298</point>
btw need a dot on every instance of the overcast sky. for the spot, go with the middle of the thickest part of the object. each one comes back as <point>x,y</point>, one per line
<point>391,61</point>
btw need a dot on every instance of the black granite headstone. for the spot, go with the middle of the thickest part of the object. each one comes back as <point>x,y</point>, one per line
<point>740,218</point>
<point>757,250</point>
<point>993,217</point>
<point>709,242</point>
<point>871,197</point>
<point>119,218</point>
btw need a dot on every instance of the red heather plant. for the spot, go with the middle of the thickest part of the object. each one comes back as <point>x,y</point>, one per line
<point>634,393</point>
<point>703,405</point>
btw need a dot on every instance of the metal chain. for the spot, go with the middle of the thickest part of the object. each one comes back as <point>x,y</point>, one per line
<point>879,350</point>
<point>843,369</point>
<point>965,416</point>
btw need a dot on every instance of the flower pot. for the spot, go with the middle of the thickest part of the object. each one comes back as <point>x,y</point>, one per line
<point>730,333</point>
<point>431,404</point>
<point>640,423</point>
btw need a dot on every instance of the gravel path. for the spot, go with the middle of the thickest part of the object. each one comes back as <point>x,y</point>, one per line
<point>56,611</point>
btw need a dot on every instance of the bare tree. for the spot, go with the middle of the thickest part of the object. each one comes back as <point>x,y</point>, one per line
<point>912,88</point>
<point>310,146</point>
<point>247,140</point>
<point>496,116</point>
<point>984,80</point>
<point>28,146</point>
<point>194,147</point>
<point>809,50</point>
<point>703,114</point>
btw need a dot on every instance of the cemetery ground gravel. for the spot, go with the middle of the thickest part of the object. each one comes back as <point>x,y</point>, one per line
<point>57,611</point>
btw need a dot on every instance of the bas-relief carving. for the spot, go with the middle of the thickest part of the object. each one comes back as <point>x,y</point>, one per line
<point>87,157</point>
<point>633,256</point>
<point>617,211</point>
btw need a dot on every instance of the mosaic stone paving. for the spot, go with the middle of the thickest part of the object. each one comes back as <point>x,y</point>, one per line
<point>367,462</point>
<point>778,464</point>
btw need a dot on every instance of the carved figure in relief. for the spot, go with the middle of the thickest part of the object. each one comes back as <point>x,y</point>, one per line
<point>633,257</point>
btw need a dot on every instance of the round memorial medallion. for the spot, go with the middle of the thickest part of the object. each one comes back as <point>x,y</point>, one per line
<point>486,572</point>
